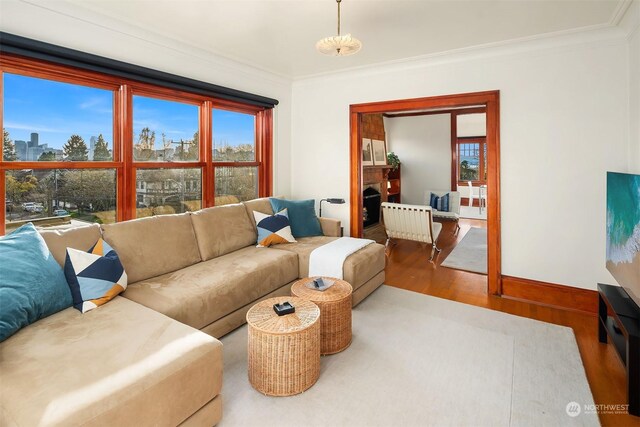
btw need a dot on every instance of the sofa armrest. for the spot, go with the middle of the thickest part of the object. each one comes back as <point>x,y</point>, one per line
<point>330,227</point>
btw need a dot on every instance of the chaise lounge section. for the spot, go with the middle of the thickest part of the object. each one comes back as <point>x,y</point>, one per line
<point>144,356</point>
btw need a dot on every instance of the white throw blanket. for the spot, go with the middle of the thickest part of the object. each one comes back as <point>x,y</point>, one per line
<point>327,260</point>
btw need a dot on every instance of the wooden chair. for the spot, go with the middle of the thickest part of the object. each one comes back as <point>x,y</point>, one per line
<point>411,222</point>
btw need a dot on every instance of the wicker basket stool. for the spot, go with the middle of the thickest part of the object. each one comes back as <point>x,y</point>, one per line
<point>335,312</point>
<point>284,351</point>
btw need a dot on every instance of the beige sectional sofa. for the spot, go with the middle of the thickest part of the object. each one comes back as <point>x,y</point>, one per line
<point>143,359</point>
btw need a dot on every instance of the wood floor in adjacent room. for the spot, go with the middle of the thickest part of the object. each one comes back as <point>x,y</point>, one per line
<point>408,267</point>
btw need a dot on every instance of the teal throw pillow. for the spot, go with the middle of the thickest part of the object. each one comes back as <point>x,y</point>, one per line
<point>32,283</point>
<point>302,216</point>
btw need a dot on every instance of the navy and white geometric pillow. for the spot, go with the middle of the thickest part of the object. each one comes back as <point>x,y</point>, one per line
<point>94,277</point>
<point>273,229</point>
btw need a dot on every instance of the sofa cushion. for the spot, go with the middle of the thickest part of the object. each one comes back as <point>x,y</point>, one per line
<point>222,229</point>
<point>440,203</point>
<point>203,293</point>
<point>273,229</point>
<point>32,284</point>
<point>149,247</point>
<point>81,238</point>
<point>262,205</point>
<point>358,268</point>
<point>94,277</point>
<point>120,365</point>
<point>302,216</point>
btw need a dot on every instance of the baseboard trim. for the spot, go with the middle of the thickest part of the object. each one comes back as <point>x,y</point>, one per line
<point>550,294</point>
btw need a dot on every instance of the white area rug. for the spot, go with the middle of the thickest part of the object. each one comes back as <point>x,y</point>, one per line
<point>473,212</point>
<point>417,360</point>
<point>470,254</point>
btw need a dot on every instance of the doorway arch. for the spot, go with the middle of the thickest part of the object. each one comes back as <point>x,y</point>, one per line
<point>491,101</point>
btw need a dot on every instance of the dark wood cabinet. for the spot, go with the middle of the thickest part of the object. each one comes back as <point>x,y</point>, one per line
<point>619,321</point>
<point>394,188</point>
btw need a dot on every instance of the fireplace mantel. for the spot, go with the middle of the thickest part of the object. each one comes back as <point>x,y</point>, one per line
<point>377,175</point>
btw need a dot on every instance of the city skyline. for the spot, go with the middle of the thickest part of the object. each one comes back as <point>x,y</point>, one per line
<point>56,110</point>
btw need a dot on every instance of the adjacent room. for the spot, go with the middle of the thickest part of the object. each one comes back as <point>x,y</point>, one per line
<point>436,158</point>
<point>322,212</point>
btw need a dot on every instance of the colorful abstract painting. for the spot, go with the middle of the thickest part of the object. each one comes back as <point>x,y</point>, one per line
<point>623,230</point>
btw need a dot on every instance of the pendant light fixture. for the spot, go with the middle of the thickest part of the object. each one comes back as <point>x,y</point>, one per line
<point>339,45</point>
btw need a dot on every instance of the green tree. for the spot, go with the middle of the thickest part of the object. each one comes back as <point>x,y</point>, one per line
<point>467,173</point>
<point>101,150</point>
<point>48,156</point>
<point>19,185</point>
<point>75,149</point>
<point>89,190</point>
<point>8,148</point>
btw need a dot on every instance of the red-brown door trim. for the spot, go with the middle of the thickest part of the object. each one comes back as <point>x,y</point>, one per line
<point>491,100</point>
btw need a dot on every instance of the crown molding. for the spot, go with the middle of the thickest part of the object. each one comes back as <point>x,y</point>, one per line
<point>606,33</point>
<point>116,25</point>
<point>629,20</point>
<point>623,20</point>
<point>620,11</point>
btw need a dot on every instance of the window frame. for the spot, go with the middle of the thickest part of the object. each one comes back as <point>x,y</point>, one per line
<point>482,141</point>
<point>123,91</point>
<point>262,141</point>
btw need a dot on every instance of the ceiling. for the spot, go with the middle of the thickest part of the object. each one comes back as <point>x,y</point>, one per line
<point>279,35</point>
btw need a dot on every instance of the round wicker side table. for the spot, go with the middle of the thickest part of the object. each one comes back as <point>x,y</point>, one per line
<point>283,351</point>
<point>335,312</point>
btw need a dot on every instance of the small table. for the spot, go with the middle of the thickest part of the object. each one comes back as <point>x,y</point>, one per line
<point>283,351</point>
<point>335,312</point>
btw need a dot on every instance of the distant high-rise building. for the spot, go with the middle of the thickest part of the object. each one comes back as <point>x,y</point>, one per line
<point>30,151</point>
<point>21,150</point>
<point>92,146</point>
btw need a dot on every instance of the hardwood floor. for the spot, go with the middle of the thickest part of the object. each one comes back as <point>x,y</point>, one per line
<point>408,267</point>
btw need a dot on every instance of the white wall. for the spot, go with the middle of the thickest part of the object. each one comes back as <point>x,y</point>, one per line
<point>634,89</point>
<point>564,114</point>
<point>423,144</point>
<point>119,41</point>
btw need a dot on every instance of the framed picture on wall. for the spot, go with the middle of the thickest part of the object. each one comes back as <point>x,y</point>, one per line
<point>367,152</point>
<point>379,152</point>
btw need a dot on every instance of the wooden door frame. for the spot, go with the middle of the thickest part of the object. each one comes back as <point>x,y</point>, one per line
<point>491,100</point>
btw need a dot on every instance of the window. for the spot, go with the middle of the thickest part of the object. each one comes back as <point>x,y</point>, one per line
<point>236,160</point>
<point>92,147</point>
<point>46,120</point>
<point>236,184</point>
<point>472,160</point>
<point>164,131</point>
<point>168,191</point>
<point>86,195</point>
<point>233,136</point>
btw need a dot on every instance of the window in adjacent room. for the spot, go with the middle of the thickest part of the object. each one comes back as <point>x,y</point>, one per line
<point>472,164</point>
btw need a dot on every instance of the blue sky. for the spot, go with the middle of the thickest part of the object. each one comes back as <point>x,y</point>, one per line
<point>57,110</point>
